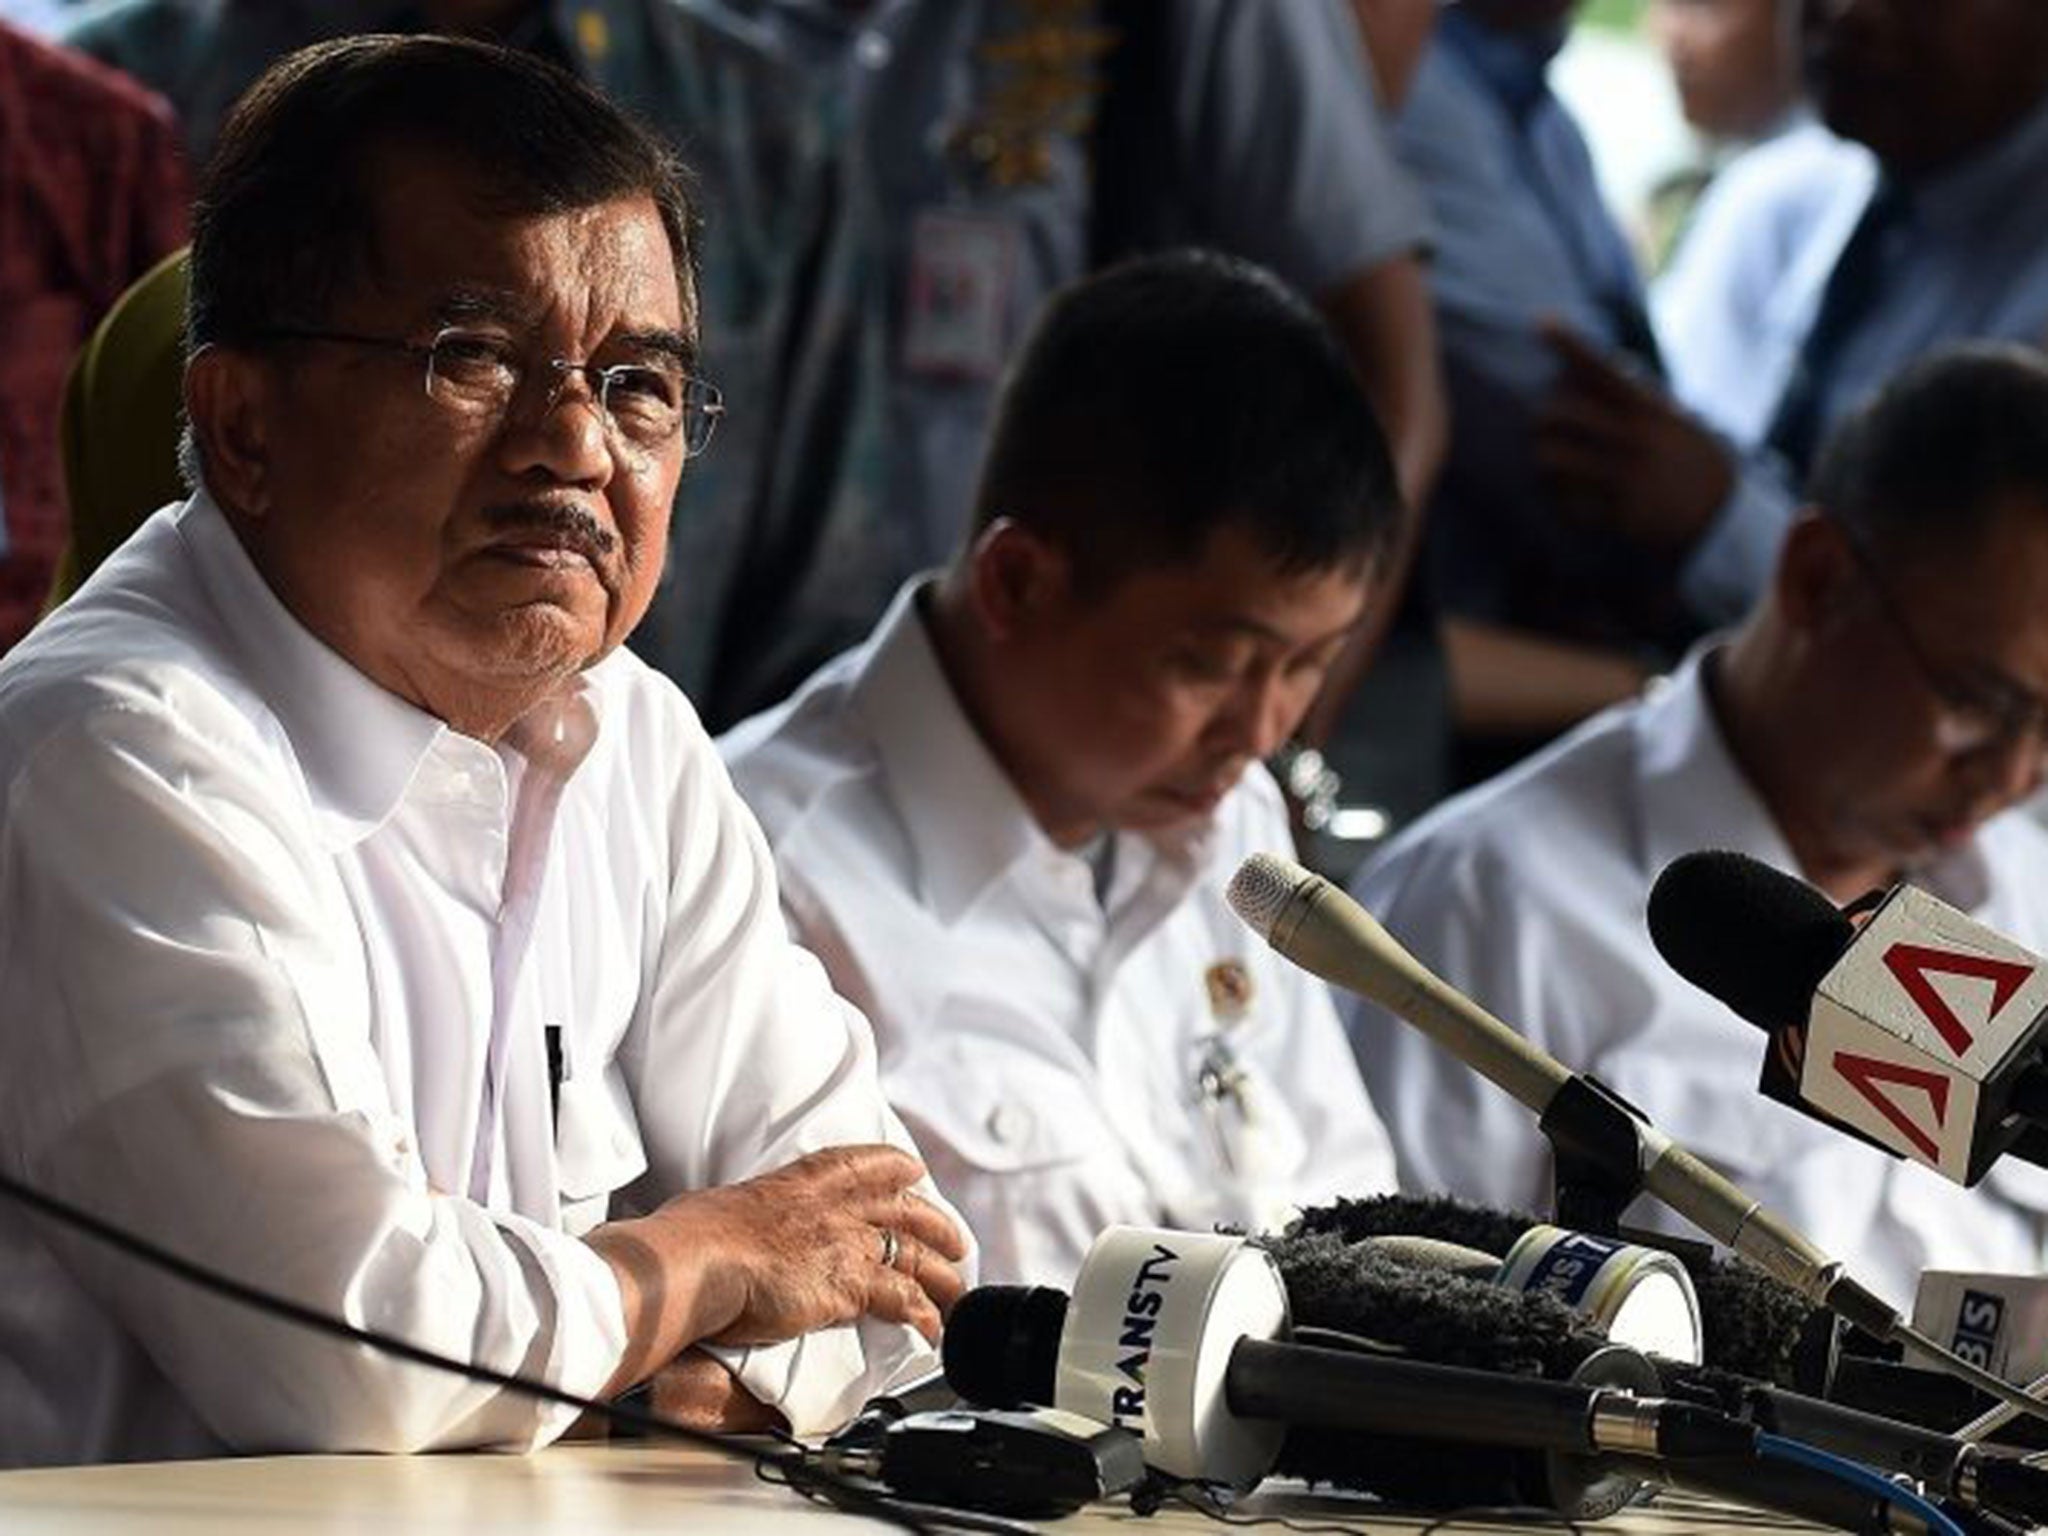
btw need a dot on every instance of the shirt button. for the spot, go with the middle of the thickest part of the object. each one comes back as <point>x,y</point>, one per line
<point>873,50</point>
<point>1009,1124</point>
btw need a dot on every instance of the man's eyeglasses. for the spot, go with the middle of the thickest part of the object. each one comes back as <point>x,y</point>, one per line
<point>1970,715</point>
<point>644,403</point>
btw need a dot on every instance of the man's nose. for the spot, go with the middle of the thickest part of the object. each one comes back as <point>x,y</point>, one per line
<point>565,436</point>
<point>1260,716</point>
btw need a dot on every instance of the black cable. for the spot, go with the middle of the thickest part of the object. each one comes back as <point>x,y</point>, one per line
<point>799,1471</point>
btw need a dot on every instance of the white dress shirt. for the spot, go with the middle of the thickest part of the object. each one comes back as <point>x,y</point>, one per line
<point>280,959</point>
<point>1529,892</point>
<point>1066,1061</point>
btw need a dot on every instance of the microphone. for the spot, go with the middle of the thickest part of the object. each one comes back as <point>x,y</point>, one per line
<point>1316,926</point>
<point>1183,1337</point>
<point>1321,929</point>
<point>1864,1037</point>
<point>1333,1262</point>
<point>1750,1324</point>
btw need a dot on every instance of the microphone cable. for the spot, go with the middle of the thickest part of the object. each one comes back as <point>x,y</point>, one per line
<point>798,1469</point>
<point>1856,1475</point>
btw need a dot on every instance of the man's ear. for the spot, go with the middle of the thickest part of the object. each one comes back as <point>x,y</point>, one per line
<point>1017,577</point>
<point>1819,580</point>
<point>229,397</point>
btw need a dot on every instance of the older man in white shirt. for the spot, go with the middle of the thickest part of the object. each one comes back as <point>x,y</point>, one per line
<point>1005,820</point>
<point>372,927</point>
<point>1873,720</point>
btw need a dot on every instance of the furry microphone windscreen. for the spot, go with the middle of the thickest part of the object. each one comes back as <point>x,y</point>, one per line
<point>1423,1314</point>
<point>1752,1324</point>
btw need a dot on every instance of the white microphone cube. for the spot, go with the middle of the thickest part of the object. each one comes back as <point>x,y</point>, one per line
<point>1918,1031</point>
<point>1998,1322</point>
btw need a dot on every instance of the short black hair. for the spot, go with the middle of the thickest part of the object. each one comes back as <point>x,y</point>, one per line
<point>1171,395</point>
<point>1941,448</point>
<point>285,212</point>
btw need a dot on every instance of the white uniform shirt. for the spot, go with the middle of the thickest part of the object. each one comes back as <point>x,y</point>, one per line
<point>1529,892</point>
<point>1049,1054</point>
<point>279,956</point>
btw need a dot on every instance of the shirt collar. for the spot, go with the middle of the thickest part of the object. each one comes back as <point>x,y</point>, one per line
<point>1978,187</point>
<point>357,744</point>
<point>967,824</point>
<point>1513,65</point>
<point>1694,795</point>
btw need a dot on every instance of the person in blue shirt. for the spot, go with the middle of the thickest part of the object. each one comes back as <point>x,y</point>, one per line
<point>1541,617</point>
<point>1845,265</point>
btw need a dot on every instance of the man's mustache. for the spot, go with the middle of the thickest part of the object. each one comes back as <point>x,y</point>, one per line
<point>574,526</point>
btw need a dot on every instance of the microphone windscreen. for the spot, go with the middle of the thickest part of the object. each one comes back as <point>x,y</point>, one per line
<point>1751,1324</point>
<point>1750,935</point>
<point>1001,1347</point>
<point>1422,1312</point>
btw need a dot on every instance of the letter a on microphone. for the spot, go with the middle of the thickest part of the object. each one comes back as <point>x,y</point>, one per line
<point>1912,964</point>
<point>1864,1073</point>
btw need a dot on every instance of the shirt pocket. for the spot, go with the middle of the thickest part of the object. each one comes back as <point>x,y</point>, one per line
<point>997,1105</point>
<point>597,1148</point>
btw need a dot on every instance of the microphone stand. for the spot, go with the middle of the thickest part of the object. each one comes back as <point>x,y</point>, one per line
<point>1596,1150</point>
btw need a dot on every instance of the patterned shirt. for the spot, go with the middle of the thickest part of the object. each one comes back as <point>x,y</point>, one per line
<point>91,195</point>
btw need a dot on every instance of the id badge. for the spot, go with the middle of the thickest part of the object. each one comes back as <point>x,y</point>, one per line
<point>962,266</point>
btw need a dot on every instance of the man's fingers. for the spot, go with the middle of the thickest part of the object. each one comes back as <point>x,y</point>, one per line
<point>896,1298</point>
<point>1575,418</point>
<point>932,1273</point>
<point>916,1217</point>
<point>1564,462</point>
<point>852,1174</point>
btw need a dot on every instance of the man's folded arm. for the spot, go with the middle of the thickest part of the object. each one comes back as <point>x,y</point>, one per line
<point>745,1059</point>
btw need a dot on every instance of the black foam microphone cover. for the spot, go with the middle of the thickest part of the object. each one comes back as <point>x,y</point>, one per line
<point>1754,937</point>
<point>1001,1347</point>
<point>1422,1313</point>
<point>1752,1325</point>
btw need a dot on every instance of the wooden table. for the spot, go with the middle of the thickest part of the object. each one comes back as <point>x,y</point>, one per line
<point>592,1490</point>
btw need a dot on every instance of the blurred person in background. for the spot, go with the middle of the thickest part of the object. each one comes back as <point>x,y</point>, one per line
<point>92,193</point>
<point>1543,620</point>
<point>1834,264</point>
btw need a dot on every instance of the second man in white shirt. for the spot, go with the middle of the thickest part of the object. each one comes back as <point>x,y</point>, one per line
<point>1006,819</point>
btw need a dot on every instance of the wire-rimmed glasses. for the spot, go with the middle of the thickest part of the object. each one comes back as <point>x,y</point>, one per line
<point>1969,716</point>
<point>645,403</point>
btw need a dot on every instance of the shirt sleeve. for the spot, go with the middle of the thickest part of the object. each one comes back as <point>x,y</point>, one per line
<point>189,1057</point>
<point>746,1059</point>
<point>1284,156</point>
<point>1731,565</point>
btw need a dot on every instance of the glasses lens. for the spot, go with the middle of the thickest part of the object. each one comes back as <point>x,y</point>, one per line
<point>472,370</point>
<point>644,401</point>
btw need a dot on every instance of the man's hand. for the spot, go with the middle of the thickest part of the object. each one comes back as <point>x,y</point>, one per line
<point>1617,451</point>
<point>784,1254</point>
<point>696,1390</point>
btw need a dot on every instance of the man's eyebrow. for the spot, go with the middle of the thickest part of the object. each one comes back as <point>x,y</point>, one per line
<point>1240,624</point>
<point>679,345</point>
